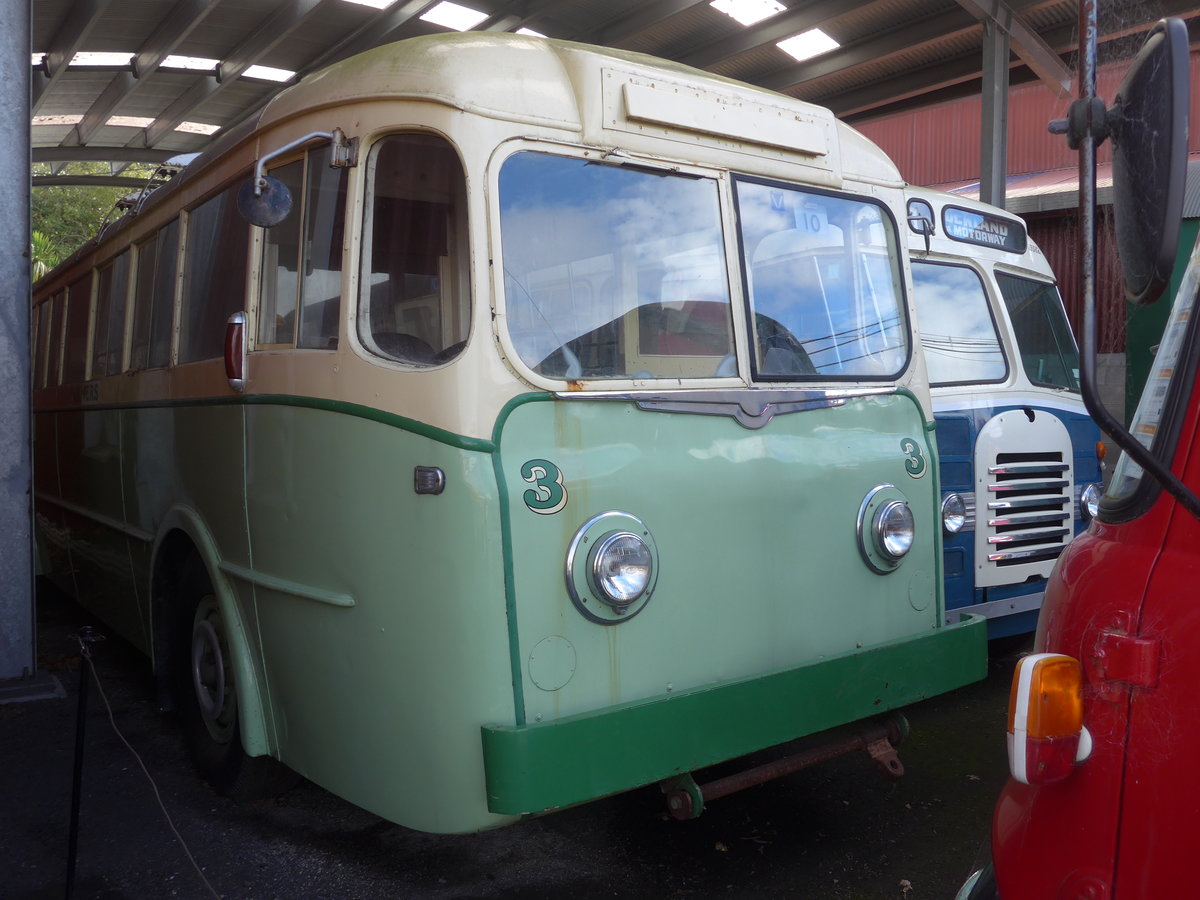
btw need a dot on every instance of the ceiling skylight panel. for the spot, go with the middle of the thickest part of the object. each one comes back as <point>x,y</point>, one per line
<point>191,63</point>
<point>99,58</point>
<point>130,121</point>
<point>748,12</point>
<point>266,73</point>
<point>451,15</point>
<point>808,44</point>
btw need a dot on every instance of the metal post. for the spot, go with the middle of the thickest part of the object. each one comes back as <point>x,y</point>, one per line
<point>993,145</point>
<point>87,635</point>
<point>17,651</point>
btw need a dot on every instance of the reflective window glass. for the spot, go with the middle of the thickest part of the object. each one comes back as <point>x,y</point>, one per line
<point>1046,344</point>
<point>958,333</point>
<point>823,280</point>
<point>215,284</point>
<point>416,301</point>
<point>613,271</point>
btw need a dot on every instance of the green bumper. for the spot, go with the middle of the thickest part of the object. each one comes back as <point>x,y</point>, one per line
<point>543,766</point>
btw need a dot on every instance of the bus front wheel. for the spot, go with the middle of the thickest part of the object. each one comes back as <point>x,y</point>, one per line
<point>208,698</point>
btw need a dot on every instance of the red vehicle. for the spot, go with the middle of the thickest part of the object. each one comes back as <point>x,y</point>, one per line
<point>1104,798</point>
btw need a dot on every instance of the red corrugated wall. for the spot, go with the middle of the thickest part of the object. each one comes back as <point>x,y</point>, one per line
<point>941,145</point>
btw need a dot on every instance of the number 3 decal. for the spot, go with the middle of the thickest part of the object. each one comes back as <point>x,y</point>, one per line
<point>914,462</point>
<point>548,495</point>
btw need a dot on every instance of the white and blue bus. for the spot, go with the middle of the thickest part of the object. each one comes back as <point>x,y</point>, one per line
<point>1019,454</point>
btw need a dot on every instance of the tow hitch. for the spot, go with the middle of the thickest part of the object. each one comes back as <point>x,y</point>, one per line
<point>686,799</point>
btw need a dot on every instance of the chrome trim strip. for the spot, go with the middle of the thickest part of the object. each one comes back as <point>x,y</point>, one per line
<point>1048,486</point>
<point>1030,519</point>
<point>1051,535</point>
<point>995,609</point>
<point>751,407</point>
<point>1028,468</point>
<point>283,585</point>
<point>1036,554</point>
<point>1026,502</point>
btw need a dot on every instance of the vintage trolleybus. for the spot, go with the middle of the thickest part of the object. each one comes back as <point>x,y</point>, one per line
<point>557,429</point>
<point>1019,453</point>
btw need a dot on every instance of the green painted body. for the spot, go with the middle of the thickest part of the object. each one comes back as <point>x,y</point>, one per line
<point>381,630</point>
<point>552,764</point>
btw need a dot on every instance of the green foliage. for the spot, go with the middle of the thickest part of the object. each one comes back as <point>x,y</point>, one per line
<point>43,254</point>
<point>68,215</point>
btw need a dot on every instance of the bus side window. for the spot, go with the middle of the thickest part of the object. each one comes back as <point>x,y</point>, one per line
<point>108,334</point>
<point>215,268</point>
<point>154,299</point>
<point>79,303</point>
<point>42,344</point>
<point>54,340</point>
<point>415,295</point>
<point>314,250</point>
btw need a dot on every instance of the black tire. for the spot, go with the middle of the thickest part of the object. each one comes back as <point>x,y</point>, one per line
<point>207,697</point>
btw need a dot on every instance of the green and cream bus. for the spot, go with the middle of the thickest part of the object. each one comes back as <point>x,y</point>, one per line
<point>558,429</point>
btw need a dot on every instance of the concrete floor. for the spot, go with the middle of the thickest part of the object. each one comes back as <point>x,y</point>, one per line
<point>831,832</point>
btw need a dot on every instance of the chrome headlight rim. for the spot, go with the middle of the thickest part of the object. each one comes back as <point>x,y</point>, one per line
<point>584,564</point>
<point>880,505</point>
<point>1089,501</point>
<point>954,513</point>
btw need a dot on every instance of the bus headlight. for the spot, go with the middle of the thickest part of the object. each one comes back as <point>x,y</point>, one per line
<point>954,513</point>
<point>895,528</point>
<point>612,567</point>
<point>622,566</point>
<point>1089,502</point>
<point>886,528</point>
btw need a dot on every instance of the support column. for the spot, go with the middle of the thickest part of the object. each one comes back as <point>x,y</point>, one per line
<point>993,147</point>
<point>17,646</point>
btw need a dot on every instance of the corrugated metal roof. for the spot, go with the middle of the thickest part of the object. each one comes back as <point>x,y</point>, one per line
<point>894,52</point>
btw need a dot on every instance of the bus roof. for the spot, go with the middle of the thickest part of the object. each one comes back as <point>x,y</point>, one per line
<point>605,97</point>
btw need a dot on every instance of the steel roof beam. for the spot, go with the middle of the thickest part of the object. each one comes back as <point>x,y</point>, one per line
<point>170,33</point>
<point>257,44</point>
<point>100,154</point>
<point>1025,42</point>
<point>123,181</point>
<point>76,27</point>
<point>929,30</point>
<point>379,29</point>
<point>769,31</point>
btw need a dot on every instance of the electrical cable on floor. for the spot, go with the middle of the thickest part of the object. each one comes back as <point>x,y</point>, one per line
<point>158,797</point>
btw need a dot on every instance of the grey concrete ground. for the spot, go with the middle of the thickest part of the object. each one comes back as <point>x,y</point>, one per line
<point>832,832</point>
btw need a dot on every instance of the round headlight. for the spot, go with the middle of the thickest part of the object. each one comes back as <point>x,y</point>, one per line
<point>612,567</point>
<point>954,513</point>
<point>1089,502</point>
<point>622,566</point>
<point>895,528</point>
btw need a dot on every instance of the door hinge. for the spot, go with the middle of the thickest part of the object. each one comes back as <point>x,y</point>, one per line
<point>1126,658</point>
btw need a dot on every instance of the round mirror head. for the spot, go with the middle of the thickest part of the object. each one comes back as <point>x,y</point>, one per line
<point>1149,130</point>
<point>269,206</point>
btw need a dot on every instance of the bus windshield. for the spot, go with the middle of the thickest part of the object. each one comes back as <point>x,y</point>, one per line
<point>823,278</point>
<point>619,271</point>
<point>613,272</point>
<point>958,333</point>
<point>1047,347</point>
